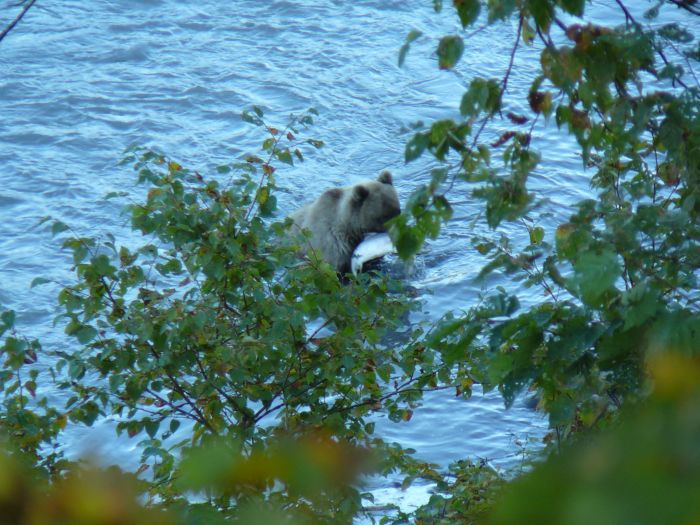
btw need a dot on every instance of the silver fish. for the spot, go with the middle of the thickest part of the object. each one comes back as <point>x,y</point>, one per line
<point>373,246</point>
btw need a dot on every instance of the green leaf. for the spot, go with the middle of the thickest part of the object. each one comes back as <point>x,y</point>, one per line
<point>675,33</point>
<point>449,51</point>
<point>528,32</point>
<point>268,208</point>
<point>442,207</point>
<point>115,381</point>
<point>500,9</point>
<point>643,304</point>
<point>561,411</point>
<point>408,243</point>
<point>536,235</point>
<point>677,331</point>
<point>8,318</point>
<point>574,7</point>
<point>58,227</point>
<point>543,12</point>
<point>595,274</point>
<point>44,219</point>
<point>440,141</point>
<point>113,194</point>
<point>468,11</point>
<point>410,38</point>
<point>482,95</point>
<point>151,427</point>
<point>252,119</point>
<point>85,334</point>
<point>653,12</point>
<point>316,143</point>
<point>102,265</point>
<point>416,146</point>
<point>285,156</point>
<point>89,412</point>
<point>39,280</point>
<point>500,304</point>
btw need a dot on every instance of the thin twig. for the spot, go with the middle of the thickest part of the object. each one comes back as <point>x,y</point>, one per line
<point>316,332</point>
<point>512,56</point>
<point>231,400</point>
<point>176,408</point>
<point>398,389</point>
<point>687,61</point>
<point>186,397</point>
<point>561,24</point>
<point>504,85</point>
<point>395,392</point>
<point>475,32</point>
<point>276,140</point>
<point>16,20</point>
<point>684,5</point>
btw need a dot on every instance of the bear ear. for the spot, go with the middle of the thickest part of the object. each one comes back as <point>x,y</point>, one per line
<point>359,194</point>
<point>334,193</point>
<point>385,178</point>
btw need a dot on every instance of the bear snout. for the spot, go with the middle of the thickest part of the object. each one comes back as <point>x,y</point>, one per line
<point>385,217</point>
<point>392,211</point>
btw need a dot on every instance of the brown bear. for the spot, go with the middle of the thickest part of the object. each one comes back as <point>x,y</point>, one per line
<point>340,218</point>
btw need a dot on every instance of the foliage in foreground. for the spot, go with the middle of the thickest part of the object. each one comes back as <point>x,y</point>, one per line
<point>215,322</point>
<point>276,367</point>
<point>618,279</point>
<point>646,470</point>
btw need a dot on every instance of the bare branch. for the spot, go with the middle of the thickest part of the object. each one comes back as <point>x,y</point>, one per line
<point>688,5</point>
<point>512,56</point>
<point>9,28</point>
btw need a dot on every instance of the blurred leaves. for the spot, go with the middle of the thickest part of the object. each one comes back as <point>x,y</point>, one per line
<point>83,497</point>
<point>316,470</point>
<point>647,470</point>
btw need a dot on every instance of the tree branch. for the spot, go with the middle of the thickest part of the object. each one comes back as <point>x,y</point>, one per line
<point>512,56</point>
<point>398,390</point>
<point>184,394</point>
<point>685,4</point>
<point>16,20</point>
<point>247,421</point>
<point>172,405</point>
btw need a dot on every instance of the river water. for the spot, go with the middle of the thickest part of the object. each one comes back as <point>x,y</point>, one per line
<point>80,81</point>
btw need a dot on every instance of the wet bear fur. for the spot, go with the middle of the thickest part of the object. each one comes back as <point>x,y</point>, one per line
<point>340,218</point>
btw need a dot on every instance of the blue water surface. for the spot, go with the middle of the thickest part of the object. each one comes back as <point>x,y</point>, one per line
<point>80,81</point>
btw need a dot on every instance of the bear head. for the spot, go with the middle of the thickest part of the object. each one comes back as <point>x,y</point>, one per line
<point>374,203</point>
